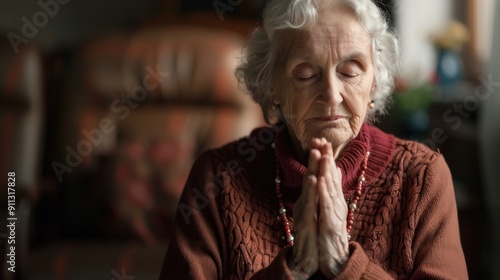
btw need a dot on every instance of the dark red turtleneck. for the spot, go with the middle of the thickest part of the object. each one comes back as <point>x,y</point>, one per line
<point>380,145</point>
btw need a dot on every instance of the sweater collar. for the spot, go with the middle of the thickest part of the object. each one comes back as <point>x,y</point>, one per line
<point>379,144</point>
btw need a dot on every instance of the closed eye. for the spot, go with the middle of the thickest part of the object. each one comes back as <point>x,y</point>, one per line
<point>305,72</point>
<point>349,75</point>
<point>349,69</point>
<point>307,78</point>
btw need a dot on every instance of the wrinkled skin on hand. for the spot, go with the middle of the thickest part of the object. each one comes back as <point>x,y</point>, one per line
<point>321,241</point>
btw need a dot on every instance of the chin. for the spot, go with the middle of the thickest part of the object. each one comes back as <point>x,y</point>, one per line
<point>336,134</point>
<point>338,137</point>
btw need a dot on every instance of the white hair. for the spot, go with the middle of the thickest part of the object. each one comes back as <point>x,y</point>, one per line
<point>260,58</point>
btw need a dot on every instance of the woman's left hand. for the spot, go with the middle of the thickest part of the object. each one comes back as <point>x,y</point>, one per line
<point>333,244</point>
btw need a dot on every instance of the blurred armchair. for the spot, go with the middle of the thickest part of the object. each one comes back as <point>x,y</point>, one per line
<point>144,106</point>
<point>171,94</point>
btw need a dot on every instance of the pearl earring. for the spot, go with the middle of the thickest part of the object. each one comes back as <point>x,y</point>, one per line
<point>371,105</point>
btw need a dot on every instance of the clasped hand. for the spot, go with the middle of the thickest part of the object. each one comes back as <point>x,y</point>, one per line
<point>320,213</point>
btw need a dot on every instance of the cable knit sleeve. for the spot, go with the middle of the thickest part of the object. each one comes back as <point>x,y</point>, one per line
<point>436,247</point>
<point>196,250</point>
<point>360,267</point>
<point>433,233</point>
<point>278,269</point>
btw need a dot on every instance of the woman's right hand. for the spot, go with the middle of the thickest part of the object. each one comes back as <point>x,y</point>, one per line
<point>305,261</point>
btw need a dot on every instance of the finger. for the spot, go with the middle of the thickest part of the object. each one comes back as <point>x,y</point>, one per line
<point>323,148</point>
<point>326,170</point>
<point>336,176</point>
<point>307,203</point>
<point>335,173</point>
<point>309,188</point>
<point>334,184</point>
<point>332,220</point>
<point>305,224</point>
<point>312,194</point>
<point>327,215</point>
<point>316,142</point>
<point>337,179</point>
<point>326,164</point>
<point>334,187</point>
<point>321,145</point>
<point>313,162</point>
<point>329,149</point>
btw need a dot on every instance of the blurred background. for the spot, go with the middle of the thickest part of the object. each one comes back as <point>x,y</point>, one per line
<point>104,105</point>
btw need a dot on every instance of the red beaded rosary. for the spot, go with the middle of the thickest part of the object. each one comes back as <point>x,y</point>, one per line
<point>352,205</point>
<point>357,193</point>
<point>286,224</point>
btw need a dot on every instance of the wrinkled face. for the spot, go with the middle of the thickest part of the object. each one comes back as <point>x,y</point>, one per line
<point>324,79</point>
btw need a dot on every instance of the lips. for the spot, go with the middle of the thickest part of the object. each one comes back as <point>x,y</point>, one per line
<point>330,118</point>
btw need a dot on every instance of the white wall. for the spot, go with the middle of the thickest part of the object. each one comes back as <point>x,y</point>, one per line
<point>416,21</point>
<point>484,28</point>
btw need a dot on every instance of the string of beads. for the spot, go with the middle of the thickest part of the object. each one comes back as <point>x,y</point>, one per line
<point>353,205</point>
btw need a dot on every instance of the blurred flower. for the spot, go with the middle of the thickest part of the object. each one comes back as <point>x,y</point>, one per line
<point>138,193</point>
<point>135,150</point>
<point>123,174</point>
<point>415,98</point>
<point>452,37</point>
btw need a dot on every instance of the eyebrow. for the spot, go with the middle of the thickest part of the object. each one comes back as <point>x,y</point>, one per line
<point>351,56</point>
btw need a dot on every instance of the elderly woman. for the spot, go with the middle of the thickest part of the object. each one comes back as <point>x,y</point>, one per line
<point>321,194</point>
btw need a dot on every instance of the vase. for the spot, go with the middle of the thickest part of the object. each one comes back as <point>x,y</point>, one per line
<point>450,67</point>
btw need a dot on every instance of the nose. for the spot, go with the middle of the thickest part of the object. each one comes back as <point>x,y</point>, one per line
<point>330,93</point>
